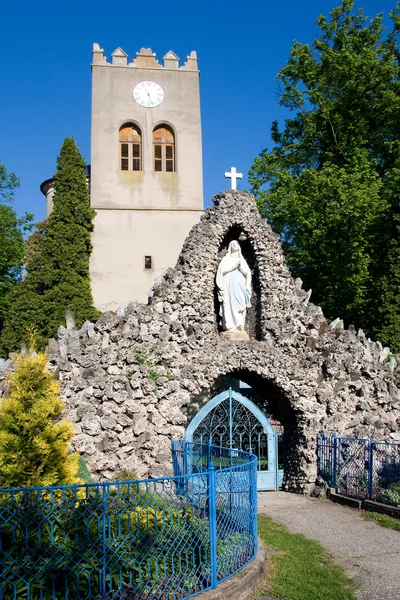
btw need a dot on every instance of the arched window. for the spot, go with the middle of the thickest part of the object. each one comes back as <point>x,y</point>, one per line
<point>163,149</point>
<point>130,147</point>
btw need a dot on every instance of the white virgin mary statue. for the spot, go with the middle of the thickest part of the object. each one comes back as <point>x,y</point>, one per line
<point>234,288</point>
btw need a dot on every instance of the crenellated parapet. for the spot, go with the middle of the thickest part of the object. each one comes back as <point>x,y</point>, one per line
<point>145,59</point>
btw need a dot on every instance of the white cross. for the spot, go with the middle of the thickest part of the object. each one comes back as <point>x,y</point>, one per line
<point>233,176</point>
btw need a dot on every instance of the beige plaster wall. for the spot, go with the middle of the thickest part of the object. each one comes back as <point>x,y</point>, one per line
<point>121,239</point>
<point>112,106</point>
<point>141,213</point>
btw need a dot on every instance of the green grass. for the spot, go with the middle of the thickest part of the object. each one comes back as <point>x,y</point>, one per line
<point>383,520</point>
<point>299,568</point>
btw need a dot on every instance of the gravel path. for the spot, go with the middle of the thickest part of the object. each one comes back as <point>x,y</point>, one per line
<point>369,552</point>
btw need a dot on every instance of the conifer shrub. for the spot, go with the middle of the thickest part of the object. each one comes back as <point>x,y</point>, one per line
<point>34,442</point>
<point>57,261</point>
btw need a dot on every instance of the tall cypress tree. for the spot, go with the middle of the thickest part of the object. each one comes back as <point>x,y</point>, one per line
<point>57,276</point>
<point>67,247</point>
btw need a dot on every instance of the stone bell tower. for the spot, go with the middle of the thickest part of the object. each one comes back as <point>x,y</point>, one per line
<point>146,170</point>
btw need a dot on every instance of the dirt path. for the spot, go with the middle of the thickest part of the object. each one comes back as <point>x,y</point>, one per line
<point>369,552</point>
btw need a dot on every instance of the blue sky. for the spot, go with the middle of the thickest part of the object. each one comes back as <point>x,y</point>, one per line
<point>45,77</point>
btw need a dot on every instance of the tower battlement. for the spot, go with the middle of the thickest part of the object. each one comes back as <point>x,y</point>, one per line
<point>145,59</point>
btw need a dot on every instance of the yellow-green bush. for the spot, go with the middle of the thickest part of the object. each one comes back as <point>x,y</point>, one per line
<point>34,442</point>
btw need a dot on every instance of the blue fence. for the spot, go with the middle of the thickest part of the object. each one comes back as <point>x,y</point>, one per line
<point>164,539</point>
<point>361,468</point>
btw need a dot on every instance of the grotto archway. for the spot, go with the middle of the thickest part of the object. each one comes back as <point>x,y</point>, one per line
<point>231,420</point>
<point>131,380</point>
<point>275,404</point>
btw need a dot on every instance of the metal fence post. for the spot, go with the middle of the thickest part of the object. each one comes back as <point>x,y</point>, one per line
<point>253,484</point>
<point>370,467</point>
<point>185,462</point>
<point>174,451</point>
<point>104,548</point>
<point>212,504</point>
<point>334,482</point>
<point>185,466</point>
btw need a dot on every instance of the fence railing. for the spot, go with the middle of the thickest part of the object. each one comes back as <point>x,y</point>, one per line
<point>169,538</point>
<point>361,468</point>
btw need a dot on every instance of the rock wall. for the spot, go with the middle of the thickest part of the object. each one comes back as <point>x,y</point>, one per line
<point>130,379</point>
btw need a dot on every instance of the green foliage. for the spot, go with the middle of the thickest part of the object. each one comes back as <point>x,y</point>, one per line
<point>83,472</point>
<point>141,544</point>
<point>12,229</point>
<point>33,441</point>
<point>389,484</point>
<point>390,496</point>
<point>8,183</point>
<point>301,567</point>
<point>233,550</point>
<point>142,358</point>
<point>329,186</point>
<point>125,475</point>
<point>383,520</point>
<point>388,326</point>
<point>57,264</point>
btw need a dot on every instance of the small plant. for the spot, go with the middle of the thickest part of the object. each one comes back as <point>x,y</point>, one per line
<point>142,359</point>
<point>139,356</point>
<point>152,373</point>
<point>389,484</point>
<point>391,495</point>
<point>142,531</point>
<point>125,475</point>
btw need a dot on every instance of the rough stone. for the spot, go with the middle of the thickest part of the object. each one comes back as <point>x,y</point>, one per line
<point>150,369</point>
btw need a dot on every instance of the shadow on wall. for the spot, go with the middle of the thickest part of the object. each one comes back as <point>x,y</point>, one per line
<point>253,318</point>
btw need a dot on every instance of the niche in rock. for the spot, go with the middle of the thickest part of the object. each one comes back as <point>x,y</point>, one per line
<point>253,316</point>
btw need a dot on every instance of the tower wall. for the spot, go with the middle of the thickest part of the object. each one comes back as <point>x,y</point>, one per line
<point>141,213</point>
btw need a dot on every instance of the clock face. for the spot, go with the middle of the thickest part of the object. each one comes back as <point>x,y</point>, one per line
<point>148,94</point>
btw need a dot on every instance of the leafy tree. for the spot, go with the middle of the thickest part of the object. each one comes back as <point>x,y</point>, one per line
<point>327,186</point>
<point>11,240</point>
<point>388,323</point>
<point>8,182</point>
<point>57,264</point>
<point>33,441</point>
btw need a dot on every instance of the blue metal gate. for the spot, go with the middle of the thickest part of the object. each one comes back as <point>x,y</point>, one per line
<point>233,421</point>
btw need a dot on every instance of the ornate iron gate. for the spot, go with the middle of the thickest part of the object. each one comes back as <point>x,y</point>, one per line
<point>232,420</point>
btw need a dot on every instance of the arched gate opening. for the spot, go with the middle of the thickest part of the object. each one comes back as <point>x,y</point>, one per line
<point>234,421</point>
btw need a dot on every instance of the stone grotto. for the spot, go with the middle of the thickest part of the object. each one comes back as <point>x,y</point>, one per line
<point>133,380</point>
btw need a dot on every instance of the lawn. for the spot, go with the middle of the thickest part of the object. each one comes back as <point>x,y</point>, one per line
<point>299,568</point>
<point>383,520</point>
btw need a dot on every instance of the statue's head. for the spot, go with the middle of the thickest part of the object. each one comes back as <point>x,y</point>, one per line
<point>234,246</point>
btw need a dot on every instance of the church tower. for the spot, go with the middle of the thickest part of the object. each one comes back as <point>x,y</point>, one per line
<point>146,170</point>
